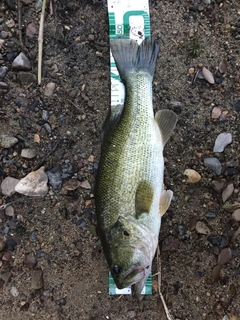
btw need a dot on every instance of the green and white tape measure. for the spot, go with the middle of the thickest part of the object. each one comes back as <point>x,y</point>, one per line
<point>147,289</point>
<point>127,19</point>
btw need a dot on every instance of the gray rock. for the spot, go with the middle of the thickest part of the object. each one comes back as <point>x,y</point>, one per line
<point>6,276</point>
<point>37,279</point>
<point>8,186</point>
<point>218,185</point>
<point>11,4</point>
<point>21,63</point>
<point>26,78</point>
<point>3,85</point>
<point>49,89</point>
<point>10,23</point>
<point>55,178</point>
<point>2,245</point>
<point>34,184</point>
<point>28,153</point>
<point>85,185</point>
<point>3,34</point>
<point>3,72</point>
<point>30,261</point>
<point>213,164</point>
<point>9,211</point>
<point>222,141</point>
<point>7,141</point>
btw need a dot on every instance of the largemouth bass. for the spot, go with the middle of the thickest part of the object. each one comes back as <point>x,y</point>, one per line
<point>130,195</point>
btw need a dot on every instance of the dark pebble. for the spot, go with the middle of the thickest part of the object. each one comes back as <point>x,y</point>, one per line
<point>4,152</point>
<point>199,274</point>
<point>11,56</point>
<point>181,230</point>
<point>6,230</point>
<point>3,34</point>
<point>47,128</point>
<point>232,171</point>
<point>193,8</point>
<point>11,244</point>
<point>3,71</point>
<point>68,169</point>
<point>54,177</point>
<point>33,236</point>
<point>74,220</point>
<point>87,213</point>
<point>234,253</point>
<point>30,261</point>
<point>62,118</point>
<point>61,302</point>
<point>11,4</point>
<point>217,241</point>
<point>33,106</point>
<point>211,215</point>
<point>30,209</point>
<point>218,80</point>
<point>81,223</point>
<point>177,108</point>
<point>237,106</point>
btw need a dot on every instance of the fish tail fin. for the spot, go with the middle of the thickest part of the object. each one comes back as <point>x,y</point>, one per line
<point>131,57</point>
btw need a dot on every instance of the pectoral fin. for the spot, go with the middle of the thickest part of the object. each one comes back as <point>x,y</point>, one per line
<point>166,120</point>
<point>165,201</point>
<point>143,199</point>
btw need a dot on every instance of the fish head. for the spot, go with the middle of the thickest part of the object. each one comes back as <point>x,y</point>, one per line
<point>130,252</point>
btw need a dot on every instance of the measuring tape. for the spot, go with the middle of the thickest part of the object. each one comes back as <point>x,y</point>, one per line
<point>127,19</point>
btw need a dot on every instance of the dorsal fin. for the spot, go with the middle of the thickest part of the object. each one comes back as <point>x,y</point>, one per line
<point>166,120</point>
<point>143,198</point>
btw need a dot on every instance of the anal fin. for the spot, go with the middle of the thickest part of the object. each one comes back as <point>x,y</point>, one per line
<point>165,201</point>
<point>166,120</point>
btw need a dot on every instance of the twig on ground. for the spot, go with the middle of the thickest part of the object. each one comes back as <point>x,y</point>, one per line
<point>169,317</point>
<point>40,42</point>
<point>41,162</point>
<point>75,105</point>
<point>19,7</point>
<point>51,7</point>
<point>4,206</point>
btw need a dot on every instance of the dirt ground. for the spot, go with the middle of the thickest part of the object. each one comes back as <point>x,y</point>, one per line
<point>56,228</point>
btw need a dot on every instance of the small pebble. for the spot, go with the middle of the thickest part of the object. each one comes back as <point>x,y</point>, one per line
<point>29,153</point>
<point>6,276</point>
<point>55,179</point>
<point>8,186</point>
<point>30,261</point>
<point>7,141</point>
<point>9,211</point>
<point>213,164</point>
<point>49,89</point>
<point>2,245</point>
<point>14,292</point>
<point>11,244</point>
<point>202,228</point>
<point>21,63</point>
<point>85,185</point>
<point>34,184</point>
<point>37,279</point>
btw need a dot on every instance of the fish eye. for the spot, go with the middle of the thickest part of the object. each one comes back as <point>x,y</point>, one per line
<point>126,233</point>
<point>116,269</point>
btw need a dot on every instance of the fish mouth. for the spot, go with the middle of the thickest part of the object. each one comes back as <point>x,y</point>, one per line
<point>136,274</point>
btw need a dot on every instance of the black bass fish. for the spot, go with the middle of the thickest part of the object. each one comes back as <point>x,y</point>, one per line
<point>130,195</point>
